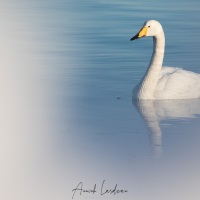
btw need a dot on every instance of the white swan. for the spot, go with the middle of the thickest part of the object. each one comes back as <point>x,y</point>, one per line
<point>166,82</point>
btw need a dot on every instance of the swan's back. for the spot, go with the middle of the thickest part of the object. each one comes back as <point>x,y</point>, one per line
<point>175,83</point>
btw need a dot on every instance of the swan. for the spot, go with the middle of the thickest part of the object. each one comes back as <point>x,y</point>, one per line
<point>164,82</point>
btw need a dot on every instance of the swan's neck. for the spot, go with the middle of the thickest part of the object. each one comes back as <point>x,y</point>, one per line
<point>150,80</point>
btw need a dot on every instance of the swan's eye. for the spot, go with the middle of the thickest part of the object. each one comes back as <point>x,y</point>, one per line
<point>148,26</point>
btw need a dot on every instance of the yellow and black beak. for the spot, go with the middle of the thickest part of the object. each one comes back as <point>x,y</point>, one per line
<point>142,33</point>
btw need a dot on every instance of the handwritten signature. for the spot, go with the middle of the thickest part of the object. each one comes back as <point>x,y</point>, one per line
<point>79,189</point>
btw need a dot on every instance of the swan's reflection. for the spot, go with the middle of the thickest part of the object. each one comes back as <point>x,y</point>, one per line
<point>153,111</point>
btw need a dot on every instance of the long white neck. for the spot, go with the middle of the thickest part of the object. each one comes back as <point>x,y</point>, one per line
<point>150,80</point>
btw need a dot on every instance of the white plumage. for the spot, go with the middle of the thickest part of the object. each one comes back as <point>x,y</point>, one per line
<point>164,82</point>
<point>175,83</point>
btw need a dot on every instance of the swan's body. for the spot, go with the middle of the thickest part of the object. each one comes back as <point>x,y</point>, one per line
<point>164,82</point>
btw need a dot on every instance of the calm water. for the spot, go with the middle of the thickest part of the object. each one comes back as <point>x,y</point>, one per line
<point>67,74</point>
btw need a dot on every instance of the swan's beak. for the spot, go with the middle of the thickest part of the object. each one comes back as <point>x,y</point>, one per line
<point>142,33</point>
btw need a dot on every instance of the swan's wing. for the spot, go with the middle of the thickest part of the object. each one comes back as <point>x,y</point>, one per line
<point>175,83</point>
<point>169,70</point>
<point>165,76</point>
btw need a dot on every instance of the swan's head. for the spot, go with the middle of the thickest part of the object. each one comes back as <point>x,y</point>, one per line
<point>150,28</point>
